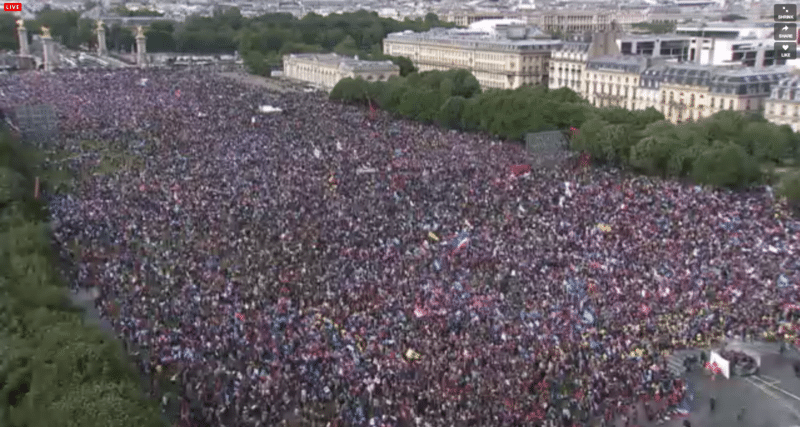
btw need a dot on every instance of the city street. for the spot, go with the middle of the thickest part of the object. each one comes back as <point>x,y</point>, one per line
<point>770,399</point>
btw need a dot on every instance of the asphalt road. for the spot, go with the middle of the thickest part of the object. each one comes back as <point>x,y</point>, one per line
<point>770,399</point>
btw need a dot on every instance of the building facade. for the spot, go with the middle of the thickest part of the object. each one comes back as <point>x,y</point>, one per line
<point>731,43</point>
<point>612,81</point>
<point>688,92</point>
<point>655,45</point>
<point>783,105</point>
<point>684,92</point>
<point>507,59</point>
<point>325,70</point>
<point>568,66</point>
<point>464,18</point>
<point>572,22</point>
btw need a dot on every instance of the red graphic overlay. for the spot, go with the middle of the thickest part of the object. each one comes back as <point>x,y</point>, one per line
<point>12,7</point>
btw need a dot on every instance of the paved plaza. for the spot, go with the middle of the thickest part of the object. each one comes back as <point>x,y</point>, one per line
<point>770,399</point>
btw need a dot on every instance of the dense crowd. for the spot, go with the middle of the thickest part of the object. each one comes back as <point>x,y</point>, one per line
<point>384,272</point>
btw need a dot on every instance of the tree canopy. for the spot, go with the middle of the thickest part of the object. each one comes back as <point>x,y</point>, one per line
<point>726,149</point>
<point>262,40</point>
<point>54,369</point>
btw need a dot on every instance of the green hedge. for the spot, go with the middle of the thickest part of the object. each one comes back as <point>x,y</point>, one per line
<point>54,370</point>
<point>727,149</point>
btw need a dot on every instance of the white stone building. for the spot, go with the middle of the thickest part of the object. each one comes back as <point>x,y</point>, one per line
<point>508,57</point>
<point>325,70</point>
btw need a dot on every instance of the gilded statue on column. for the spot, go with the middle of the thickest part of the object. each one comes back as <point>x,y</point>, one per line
<point>45,32</point>
<point>99,24</point>
<point>20,23</point>
<point>139,31</point>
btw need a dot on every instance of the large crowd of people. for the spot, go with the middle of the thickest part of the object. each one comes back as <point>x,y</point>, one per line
<point>381,272</point>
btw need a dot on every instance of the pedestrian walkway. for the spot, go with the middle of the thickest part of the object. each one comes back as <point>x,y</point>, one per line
<point>676,359</point>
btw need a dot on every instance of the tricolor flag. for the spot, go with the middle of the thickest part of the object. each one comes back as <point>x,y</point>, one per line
<point>460,242</point>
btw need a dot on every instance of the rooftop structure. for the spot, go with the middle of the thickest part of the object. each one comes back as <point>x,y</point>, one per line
<point>325,70</point>
<point>727,30</point>
<point>722,80</point>
<point>344,62</point>
<point>497,40</point>
<point>787,89</point>
<point>621,63</point>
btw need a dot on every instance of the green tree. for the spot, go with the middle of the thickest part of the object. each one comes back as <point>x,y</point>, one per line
<point>449,115</point>
<point>431,19</point>
<point>54,370</point>
<point>765,141</point>
<point>653,153</point>
<point>464,83</point>
<point>256,63</point>
<point>346,47</point>
<point>11,185</point>
<point>350,90</point>
<point>589,137</point>
<point>725,165</point>
<point>790,187</point>
<point>8,32</point>
<point>159,38</point>
<point>120,38</point>
<point>405,64</point>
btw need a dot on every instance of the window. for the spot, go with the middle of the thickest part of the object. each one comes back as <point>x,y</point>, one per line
<point>730,104</point>
<point>712,102</point>
<point>691,100</point>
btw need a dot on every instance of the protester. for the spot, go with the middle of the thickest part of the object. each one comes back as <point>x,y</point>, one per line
<point>384,272</point>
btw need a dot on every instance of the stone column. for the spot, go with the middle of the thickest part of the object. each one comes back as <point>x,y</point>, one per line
<point>101,39</point>
<point>141,48</point>
<point>48,51</point>
<point>22,33</point>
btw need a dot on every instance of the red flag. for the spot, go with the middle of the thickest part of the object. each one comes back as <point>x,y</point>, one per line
<point>518,170</point>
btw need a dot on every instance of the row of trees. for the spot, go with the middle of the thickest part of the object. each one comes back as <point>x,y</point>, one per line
<point>67,27</point>
<point>728,149</point>
<point>262,41</point>
<point>54,369</point>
